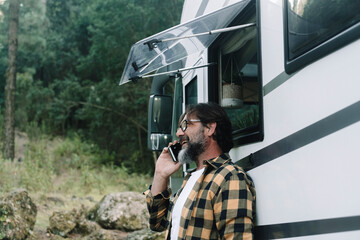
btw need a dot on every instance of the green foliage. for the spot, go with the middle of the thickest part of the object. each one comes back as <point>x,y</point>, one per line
<point>31,40</point>
<point>70,58</point>
<point>65,166</point>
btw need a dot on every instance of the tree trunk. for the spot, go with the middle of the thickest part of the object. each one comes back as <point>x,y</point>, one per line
<point>9,122</point>
<point>140,146</point>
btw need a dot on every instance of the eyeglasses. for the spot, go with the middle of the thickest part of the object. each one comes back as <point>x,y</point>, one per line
<point>184,123</point>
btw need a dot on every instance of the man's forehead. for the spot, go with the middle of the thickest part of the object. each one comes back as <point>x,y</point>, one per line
<point>189,116</point>
<point>186,116</point>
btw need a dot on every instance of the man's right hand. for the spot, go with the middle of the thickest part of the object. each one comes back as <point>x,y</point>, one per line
<point>164,168</point>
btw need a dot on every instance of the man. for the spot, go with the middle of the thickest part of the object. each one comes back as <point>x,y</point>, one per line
<point>217,200</point>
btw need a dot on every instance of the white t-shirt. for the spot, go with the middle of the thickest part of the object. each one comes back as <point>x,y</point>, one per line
<point>176,213</point>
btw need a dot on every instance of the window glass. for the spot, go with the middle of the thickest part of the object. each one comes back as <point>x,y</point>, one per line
<point>236,82</point>
<point>312,22</point>
<point>239,82</point>
<point>191,96</point>
<point>178,177</point>
<point>178,101</point>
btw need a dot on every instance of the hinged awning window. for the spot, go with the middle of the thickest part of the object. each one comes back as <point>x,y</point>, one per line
<point>178,42</point>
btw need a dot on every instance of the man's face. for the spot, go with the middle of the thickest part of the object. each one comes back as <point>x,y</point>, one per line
<point>193,142</point>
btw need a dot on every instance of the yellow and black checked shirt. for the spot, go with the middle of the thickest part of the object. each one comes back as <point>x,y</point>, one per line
<point>220,206</point>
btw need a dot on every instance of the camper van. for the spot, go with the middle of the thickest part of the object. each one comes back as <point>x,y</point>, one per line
<point>288,74</point>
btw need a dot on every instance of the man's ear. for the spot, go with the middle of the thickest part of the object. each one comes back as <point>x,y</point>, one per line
<point>211,129</point>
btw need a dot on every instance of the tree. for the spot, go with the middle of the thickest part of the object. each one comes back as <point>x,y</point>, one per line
<point>70,58</point>
<point>9,123</point>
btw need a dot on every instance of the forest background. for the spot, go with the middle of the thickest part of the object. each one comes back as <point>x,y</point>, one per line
<point>70,57</point>
<point>78,134</point>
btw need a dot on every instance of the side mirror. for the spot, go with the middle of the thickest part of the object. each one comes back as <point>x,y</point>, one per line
<point>159,122</point>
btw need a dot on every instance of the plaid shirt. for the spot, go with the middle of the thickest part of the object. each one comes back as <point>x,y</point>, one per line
<point>220,206</point>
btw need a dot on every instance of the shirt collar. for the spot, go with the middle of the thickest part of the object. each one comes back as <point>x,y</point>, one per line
<point>218,161</point>
<point>214,162</point>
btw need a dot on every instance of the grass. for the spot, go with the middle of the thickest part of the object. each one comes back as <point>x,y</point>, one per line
<point>62,174</point>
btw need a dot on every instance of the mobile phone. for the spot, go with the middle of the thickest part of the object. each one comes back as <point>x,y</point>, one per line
<point>174,151</point>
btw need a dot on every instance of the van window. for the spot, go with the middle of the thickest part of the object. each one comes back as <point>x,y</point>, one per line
<point>191,95</point>
<point>238,80</point>
<point>313,23</point>
<point>178,101</point>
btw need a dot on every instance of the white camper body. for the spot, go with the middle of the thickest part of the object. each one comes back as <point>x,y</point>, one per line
<point>303,149</point>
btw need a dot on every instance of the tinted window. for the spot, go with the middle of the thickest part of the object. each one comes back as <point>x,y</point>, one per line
<point>311,23</point>
<point>238,81</point>
<point>178,101</point>
<point>191,92</point>
<point>240,88</point>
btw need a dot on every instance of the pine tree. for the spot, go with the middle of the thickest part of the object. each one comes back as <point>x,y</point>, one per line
<point>9,124</point>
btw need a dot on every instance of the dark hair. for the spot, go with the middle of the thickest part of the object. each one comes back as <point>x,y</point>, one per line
<point>212,112</point>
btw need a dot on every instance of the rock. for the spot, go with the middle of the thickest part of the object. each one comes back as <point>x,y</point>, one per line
<point>50,237</point>
<point>92,214</point>
<point>85,227</point>
<point>17,215</point>
<point>146,234</point>
<point>103,234</point>
<point>55,237</point>
<point>62,223</point>
<point>56,200</point>
<point>125,211</point>
<point>32,236</point>
<point>90,199</point>
<point>71,222</point>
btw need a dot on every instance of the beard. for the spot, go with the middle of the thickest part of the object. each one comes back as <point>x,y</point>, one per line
<point>194,148</point>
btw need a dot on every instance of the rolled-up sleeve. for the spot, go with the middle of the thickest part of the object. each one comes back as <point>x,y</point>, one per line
<point>158,207</point>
